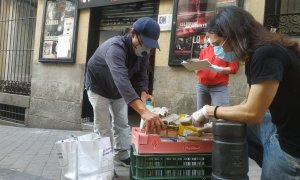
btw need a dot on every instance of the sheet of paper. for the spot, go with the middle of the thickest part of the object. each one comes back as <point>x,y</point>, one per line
<point>63,46</point>
<point>195,64</point>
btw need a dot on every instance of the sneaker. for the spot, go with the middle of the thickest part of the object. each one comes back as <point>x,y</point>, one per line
<point>116,177</point>
<point>125,162</point>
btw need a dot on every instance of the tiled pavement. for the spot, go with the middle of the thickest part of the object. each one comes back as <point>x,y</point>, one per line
<point>29,154</point>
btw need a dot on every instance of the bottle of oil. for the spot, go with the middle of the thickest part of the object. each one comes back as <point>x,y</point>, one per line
<point>230,153</point>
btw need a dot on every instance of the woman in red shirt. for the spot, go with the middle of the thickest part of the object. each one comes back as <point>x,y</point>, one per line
<point>212,86</point>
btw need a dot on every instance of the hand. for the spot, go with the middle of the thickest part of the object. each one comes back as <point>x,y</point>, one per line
<point>200,117</point>
<point>145,96</point>
<point>207,128</point>
<point>153,124</point>
<point>215,68</point>
<point>186,121</point>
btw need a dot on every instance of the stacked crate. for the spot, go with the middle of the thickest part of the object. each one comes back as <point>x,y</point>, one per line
<point>180,163</point>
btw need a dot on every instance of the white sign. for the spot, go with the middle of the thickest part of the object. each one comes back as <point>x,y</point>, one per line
<point>165,22</point>
<point>63,46</point>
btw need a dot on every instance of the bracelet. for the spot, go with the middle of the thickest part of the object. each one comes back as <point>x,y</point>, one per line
<point>215,112</point>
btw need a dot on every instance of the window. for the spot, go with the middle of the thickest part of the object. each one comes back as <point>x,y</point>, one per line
<point>17,24</point>
<point>189,22</point>
<point>283,16</point>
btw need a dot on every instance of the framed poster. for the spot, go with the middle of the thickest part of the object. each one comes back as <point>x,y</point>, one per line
<point>59,31</point>
<point>188,27</point>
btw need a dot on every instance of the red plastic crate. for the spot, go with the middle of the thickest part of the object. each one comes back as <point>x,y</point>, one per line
<point>151,144</point>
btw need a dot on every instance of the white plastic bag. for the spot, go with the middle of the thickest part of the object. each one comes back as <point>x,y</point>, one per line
<point>87,157</point>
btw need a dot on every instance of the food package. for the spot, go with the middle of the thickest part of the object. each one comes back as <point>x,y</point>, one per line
<point>203,137</point>
<point>186,130</point>
<point>170,131</point>
<point>171,119</point>
<point>161,111</point>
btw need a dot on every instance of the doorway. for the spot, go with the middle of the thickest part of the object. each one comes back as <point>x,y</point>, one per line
<point>109,21</point>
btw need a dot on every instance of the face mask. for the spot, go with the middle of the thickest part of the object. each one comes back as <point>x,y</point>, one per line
<point>229,56</point>
<point>141,50</point>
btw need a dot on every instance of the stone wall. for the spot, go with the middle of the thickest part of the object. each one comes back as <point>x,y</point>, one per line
<point>57,88</point>
<point>56,95</point>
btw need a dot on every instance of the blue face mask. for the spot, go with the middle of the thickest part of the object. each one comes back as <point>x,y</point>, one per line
<point>229,56</point>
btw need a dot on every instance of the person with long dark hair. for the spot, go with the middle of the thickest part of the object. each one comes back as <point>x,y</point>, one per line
<point>271,107</point>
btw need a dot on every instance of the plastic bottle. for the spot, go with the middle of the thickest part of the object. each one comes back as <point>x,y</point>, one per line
<point>230,152</point>
<point>150,107</point>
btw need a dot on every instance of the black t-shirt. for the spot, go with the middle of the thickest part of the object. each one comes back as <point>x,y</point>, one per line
<point>271,62</point>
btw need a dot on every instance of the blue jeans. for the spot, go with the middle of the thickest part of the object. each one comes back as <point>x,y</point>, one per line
<point>264,148</point>
<point>212,95</point>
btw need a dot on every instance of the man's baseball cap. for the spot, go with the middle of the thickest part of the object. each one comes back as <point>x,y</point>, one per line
<point>149,30</point>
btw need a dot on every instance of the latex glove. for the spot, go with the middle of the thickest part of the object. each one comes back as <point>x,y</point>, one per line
<point>215,68</point>
<point>200,117</point>
<point>186,121</point>
<point>207,128</point>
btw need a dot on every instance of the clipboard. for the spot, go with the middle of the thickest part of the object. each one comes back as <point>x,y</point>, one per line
<point>196,64</point>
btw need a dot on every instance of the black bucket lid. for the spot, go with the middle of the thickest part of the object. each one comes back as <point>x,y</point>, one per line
<point>229,129</point>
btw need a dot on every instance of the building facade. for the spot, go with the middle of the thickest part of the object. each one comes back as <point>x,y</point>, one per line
<point>57,99</point>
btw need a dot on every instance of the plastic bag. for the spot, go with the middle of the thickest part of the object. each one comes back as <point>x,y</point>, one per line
<point>87,157</point>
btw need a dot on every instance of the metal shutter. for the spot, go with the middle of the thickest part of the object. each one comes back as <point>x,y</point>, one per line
<point>116,17</point>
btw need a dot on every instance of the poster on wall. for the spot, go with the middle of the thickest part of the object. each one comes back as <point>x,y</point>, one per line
<point>188,30</point>
<point>57,41</point>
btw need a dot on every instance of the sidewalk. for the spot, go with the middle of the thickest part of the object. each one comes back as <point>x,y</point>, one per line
<point>30,154</point>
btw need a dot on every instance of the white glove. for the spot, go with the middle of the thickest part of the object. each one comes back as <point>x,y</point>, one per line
<point>200,117</point>
<point>207,128</point>
<point>215,68</point>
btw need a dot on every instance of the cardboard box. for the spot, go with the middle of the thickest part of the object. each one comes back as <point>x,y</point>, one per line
<point>152,144</point>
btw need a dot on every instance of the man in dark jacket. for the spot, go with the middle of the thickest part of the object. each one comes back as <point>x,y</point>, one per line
<point>116,76</point>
